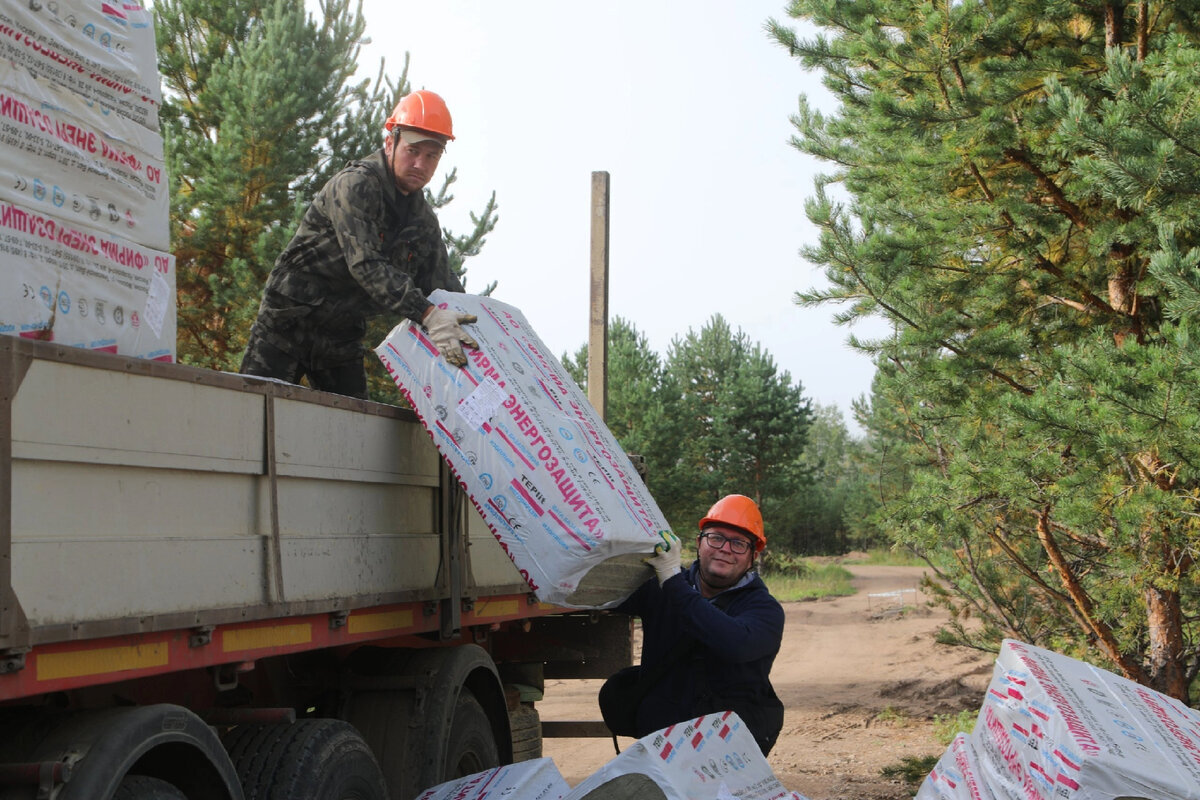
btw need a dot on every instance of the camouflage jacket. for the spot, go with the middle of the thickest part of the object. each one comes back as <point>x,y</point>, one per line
<point>362,249</point>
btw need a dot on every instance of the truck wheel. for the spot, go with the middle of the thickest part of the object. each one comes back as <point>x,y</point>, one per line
<point>143,787</point>
<point>472,747</point>
<point>526,725</point>
<point>312,759</point>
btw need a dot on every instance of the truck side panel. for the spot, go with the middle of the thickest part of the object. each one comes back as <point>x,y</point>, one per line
<point>211,491</point>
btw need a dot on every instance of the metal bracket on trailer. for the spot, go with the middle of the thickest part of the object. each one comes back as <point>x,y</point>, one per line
<point>45,774</point>
<point>13,659</point>
<point>201,636</point>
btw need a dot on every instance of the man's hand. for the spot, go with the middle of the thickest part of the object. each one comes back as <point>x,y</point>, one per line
<point>445,329</point>
<point>666,557</point>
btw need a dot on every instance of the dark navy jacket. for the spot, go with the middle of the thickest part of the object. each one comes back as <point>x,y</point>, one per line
<point>731,664</point>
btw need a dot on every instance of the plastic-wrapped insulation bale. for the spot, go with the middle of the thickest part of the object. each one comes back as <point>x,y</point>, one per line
<point>547,476</point>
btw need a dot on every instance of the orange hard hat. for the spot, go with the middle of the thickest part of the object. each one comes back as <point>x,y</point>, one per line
<point>422,111</point>
<point>738,511</point>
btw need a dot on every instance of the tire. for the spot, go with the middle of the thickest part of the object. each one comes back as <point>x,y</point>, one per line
<point>385,720</point>
<point>312,759</point>
<point>143,787</point>
<point>526,725</point>
<point>472,746</point>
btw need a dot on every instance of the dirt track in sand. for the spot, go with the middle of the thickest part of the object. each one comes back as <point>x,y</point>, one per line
<point>861,682</point>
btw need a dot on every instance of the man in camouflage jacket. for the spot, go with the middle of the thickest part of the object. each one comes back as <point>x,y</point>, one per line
<point>368,244</point>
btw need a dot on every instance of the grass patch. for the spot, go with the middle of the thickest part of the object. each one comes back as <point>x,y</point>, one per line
<point>947,726</point>
<point>810,583</point>
<point>887,557</point>
<point>911,769</point>
<point>893,716</point>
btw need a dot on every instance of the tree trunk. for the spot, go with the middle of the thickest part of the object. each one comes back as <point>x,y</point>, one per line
<point>1165,667</point>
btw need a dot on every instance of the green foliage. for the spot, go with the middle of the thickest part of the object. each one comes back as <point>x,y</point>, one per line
<point>260,109</point>
<point>896,556</point>
<point>890,715</point>
<point>947,726</point>
<point>828,459</point>
<point>911,770</point>
<point>784,564</point>
<point>815,582</point>
<point>744,428</point>
<point>1017,197</point>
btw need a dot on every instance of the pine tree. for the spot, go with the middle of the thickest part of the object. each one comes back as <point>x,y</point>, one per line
<point>259,111</point>
<point>1021,206</point>
<point>818,519</point>
<point>744,426</point>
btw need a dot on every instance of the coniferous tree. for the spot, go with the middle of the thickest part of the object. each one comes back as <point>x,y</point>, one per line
<point>880,465</point>
<point>1021,182</point>
<point>818,525</point>
<point>744,426</point>
<point>259,111</point>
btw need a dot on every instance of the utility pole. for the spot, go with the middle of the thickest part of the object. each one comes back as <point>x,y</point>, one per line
<point>597,366</point>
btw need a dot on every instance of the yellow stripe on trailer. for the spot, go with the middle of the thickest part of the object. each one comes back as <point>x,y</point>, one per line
<point>265,637</point>
<point>385,621</point>
<point>485,609</point>
<point>77,663</point>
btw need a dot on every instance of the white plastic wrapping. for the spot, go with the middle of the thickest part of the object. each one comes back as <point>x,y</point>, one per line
<point>103,50</point>
<point>546,475</point>
<point>65,157</point>
<point>538,779</point>
<point>713,756</point>
<point>81,287</point>
<point>956,776</point>
<point>1053,727</point>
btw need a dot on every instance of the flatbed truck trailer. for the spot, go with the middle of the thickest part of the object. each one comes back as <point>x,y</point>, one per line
<point>212,584</point>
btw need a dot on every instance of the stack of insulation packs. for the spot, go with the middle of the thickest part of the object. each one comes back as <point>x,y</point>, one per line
<point>84,199</point>
<point>1053,727</point>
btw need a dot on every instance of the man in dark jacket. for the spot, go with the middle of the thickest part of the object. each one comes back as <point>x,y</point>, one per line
<point>710,633</point>
<point>368,244</point>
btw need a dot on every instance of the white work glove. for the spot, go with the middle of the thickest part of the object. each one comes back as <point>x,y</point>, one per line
<point>666,557</point>
<point>445,329</point>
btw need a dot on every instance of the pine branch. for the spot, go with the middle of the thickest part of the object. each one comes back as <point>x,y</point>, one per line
<point>1082,603</point>
<point>1024,159</point>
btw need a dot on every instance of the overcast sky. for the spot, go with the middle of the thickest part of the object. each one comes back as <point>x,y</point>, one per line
<point>686,106</point>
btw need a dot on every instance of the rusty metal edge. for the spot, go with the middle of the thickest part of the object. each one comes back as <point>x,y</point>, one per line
<point>14,627</point>
<point>48,351</point>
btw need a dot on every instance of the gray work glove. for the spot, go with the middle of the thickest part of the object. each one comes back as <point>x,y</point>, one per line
<point>666,557</point>
<point>445,329</point>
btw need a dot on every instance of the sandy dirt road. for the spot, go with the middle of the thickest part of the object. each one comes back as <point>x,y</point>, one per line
<point>861,682</point>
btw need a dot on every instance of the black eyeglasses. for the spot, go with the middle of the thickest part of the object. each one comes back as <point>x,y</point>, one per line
<point>737,544</point>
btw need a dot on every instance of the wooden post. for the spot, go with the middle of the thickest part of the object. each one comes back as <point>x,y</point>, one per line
<point>597,369</point>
